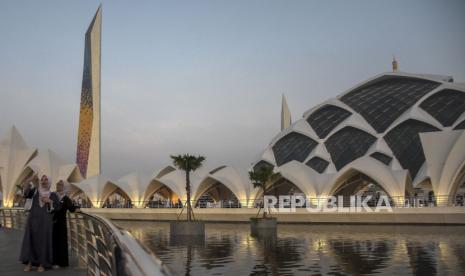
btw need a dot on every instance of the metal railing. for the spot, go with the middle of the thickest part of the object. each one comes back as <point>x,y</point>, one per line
<point>400,201</point>
<point>101,248</point>
<point>403,202</point>
<point>12,218</point>
<point>107,250</point>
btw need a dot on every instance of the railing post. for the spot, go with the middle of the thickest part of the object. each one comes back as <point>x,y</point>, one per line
<point>2,218</point>
<point>10,218</point>
<point>82,250</point>
<point>13,219</point>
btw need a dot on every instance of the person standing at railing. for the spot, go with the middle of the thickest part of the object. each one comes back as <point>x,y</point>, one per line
<point>60,229</point>
<point>37,246</point>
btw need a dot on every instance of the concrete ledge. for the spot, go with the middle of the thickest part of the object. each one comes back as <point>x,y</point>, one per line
<point>263,223</point>
<point>187,228</point>
<point>433,215</point>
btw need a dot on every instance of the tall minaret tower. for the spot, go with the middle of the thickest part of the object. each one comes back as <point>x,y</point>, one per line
<point>88,147</point>
<point>286,120</point>
<point>395,65</point>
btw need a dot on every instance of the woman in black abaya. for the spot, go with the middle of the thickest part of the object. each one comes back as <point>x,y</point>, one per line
<point>60,230</point>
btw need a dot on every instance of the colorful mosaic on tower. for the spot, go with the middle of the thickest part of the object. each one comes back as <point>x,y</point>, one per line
<point>88,149</point>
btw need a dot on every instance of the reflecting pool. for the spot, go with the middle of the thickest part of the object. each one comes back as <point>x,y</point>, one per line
<point>230,249</point>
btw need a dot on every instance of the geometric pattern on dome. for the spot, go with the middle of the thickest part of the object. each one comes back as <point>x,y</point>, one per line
<point>293,146</point>
<point>445,106</point>
<point>460,126</point>
<point>404,141</point>
<point>318,164</point>
<point>383,101</point>
<point>326,118</point>
<point>262,164</point>
<point>383,158</point>
<point>348,144</point>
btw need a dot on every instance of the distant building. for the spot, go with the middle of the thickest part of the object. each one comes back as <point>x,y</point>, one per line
<point>286,120</point>
<point>88,145</point>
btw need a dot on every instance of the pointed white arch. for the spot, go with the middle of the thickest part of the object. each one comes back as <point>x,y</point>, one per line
<point>49,163</point>
<point>230,178</point>
<point>134,185</point>
<point>97,188</point>
<point>394,184</point>
<point>306,179</point>
<point>176,181</point>
<point>155,186</point>
<point>15,154</point>
<point>445,159</point>
<point>162,172</point>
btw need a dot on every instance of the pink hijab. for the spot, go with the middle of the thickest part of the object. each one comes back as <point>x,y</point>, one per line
<point>44,191</point>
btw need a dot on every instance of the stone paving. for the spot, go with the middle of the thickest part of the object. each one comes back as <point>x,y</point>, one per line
<point>10,246</point>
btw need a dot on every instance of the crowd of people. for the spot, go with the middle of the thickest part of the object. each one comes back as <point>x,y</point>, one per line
<point>45,241</point>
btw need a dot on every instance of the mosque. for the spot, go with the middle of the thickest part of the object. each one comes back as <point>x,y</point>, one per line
<point>398,134</point>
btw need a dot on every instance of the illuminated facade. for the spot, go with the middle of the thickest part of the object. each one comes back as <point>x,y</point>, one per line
<point>88,145</point>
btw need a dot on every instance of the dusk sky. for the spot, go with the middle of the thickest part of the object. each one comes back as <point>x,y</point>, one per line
<point>206,77</point>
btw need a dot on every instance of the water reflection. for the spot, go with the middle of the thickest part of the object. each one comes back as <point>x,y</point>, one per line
<point>217,252</point>
<point>230,249</point>
<point>361,257</point>
<point>422,258</point>
<point>459,252</point>
<point>278,256</point>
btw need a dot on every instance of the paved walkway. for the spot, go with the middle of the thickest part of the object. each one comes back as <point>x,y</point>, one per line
<point>10,243</point>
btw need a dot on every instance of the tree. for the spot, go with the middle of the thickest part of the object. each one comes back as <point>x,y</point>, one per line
<point>188,163</point>
<point>262,178</point>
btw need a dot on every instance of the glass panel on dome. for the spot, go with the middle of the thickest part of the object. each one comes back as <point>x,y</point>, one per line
<point>293,146</point>
<point>445,106</point>
<point>404,141</point>
<point>383,158</point>
<point>318,164</point>
<point>381,102</point>
<point>461,125</point>
<point>326,118</point>
<point>348,144</point>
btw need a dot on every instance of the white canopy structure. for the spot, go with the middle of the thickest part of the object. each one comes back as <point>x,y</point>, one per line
<point>176,181</point>
<point>50,164</point>
<point>135,186</point>
<point>445,160</point>
<point>228,177</point>
<point>15,154</point>
<point>97,189</point>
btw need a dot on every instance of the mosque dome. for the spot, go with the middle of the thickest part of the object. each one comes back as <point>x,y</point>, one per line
<point>387,127</point>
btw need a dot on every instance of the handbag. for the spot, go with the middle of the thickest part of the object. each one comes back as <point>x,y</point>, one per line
<point>28,203</point>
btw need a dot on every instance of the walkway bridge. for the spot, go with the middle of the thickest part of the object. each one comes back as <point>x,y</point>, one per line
<point>97,248</point>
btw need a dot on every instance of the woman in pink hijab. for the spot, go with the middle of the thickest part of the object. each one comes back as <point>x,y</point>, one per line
<point>37,247</point>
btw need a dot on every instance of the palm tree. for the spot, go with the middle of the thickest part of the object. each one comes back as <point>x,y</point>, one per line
<point>263,178</point>
<point>188,163</point>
